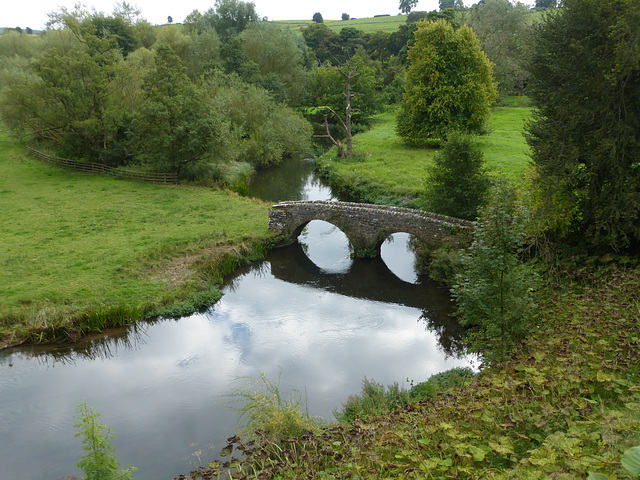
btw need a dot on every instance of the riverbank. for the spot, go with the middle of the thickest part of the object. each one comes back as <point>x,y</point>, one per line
<point>385,170</point>
<point>566,405</point>
<point>83,252</point>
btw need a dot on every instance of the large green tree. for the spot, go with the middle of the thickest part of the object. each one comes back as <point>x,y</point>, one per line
<point>229,17</point>
<point>449,84</point>
<point>70,98</point>
<point>585,133</point>
<point>503,29</point>
<point>175,130</point>
<point>281,57</point>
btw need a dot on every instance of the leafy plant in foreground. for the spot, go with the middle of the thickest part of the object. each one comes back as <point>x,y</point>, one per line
<point>266,414</point>
<point>494,291</point>
<point>100,462</point>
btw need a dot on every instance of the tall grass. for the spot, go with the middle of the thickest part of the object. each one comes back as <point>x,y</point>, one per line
<point>266,414</point>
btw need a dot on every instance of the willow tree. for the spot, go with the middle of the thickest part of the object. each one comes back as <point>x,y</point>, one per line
<point>449,84</point>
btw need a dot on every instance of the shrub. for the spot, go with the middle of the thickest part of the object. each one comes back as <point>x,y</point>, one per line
<point>457,182</point>
<point>494,290</point>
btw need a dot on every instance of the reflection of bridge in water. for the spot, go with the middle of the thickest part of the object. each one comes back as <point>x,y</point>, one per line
<point>366,225</point>
<point>373,281</point>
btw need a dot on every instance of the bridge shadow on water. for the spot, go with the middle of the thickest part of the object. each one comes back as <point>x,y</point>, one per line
<point>371,280</point>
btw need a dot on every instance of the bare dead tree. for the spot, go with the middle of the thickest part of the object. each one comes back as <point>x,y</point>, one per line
<point>348,70</point>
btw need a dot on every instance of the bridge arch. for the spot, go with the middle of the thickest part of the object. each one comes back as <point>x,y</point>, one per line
<point>366,225</point>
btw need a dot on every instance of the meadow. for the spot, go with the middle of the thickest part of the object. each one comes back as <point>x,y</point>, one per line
<point>75,242</point>
<point>387,24</point>
<point>386,170</point>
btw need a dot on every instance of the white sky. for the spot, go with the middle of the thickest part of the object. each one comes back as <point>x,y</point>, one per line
<point>33,13</point>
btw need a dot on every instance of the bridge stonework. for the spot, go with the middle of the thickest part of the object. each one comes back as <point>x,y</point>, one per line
<point>366,225</point>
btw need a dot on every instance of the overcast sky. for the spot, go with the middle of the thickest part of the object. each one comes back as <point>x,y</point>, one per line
<point>33,13</point>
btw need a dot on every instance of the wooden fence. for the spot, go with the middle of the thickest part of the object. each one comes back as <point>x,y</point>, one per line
<point>106,170</point>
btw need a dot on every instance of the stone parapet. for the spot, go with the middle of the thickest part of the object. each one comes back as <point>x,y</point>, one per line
<point>366,225</point>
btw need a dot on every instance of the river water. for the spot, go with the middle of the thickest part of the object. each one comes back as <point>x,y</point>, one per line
<point>307,316</point>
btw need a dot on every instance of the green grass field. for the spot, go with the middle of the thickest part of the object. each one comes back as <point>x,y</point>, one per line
<point>384,167</point>
<point>73,241</point>
<point>367,25</point>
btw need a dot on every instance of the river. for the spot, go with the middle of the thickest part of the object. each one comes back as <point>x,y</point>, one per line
<point>307,316</point>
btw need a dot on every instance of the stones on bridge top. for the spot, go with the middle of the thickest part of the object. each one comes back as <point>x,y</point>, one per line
<point>366,225</point>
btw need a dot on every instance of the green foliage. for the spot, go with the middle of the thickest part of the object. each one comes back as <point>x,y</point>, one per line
<point>585,133</point>
<point>324,42</point>
<point>449,84</point>
<point>264,131</point>
<point>504,31</point>
<point>317,17</point>
<point>175,129</point>
<point>373,401</point>
<point>457,182</point>
<point>631,461</point>
<point>440,382</point>
<point>229,17</point>
<point>100,462</point>
<point>494,291</point>
<point>567,405</point>
<point>279,53</point>
<point>443,266</point>
<point>266,414</point>
<point>407,5</point>
<point>70,98</point>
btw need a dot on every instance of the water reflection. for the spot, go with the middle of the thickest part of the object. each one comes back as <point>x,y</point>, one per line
<point>161,387</point>
<point>292,180</point>
<point>398,253</point>
<point>326,246</point>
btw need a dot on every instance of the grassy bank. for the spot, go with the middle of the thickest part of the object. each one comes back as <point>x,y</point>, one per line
<point>79,246</point>
<point>386,170</point>
<point>387,24</point>
<point>566,405</point>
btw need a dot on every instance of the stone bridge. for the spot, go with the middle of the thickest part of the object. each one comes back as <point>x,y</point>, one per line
<point>366,225</point>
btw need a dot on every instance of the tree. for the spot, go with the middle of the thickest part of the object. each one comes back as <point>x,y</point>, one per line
<point>493,291</point>
<point>169,19</point>
<point>457,182</point>
<point>70,99</point>
<point>324,42</point>
<point>348,71</point>
<point>585,133</point>
<point>455,4</point>
<point>281,55</point>
<point>345,17</point>
<point>317,17</point>
<point>546,3</point>
<point>503,29</point>
<point>449,84</point>
<point>407,5</point>
<point>175,130</point>
<point>229,17</point>
<point>350,87</point>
